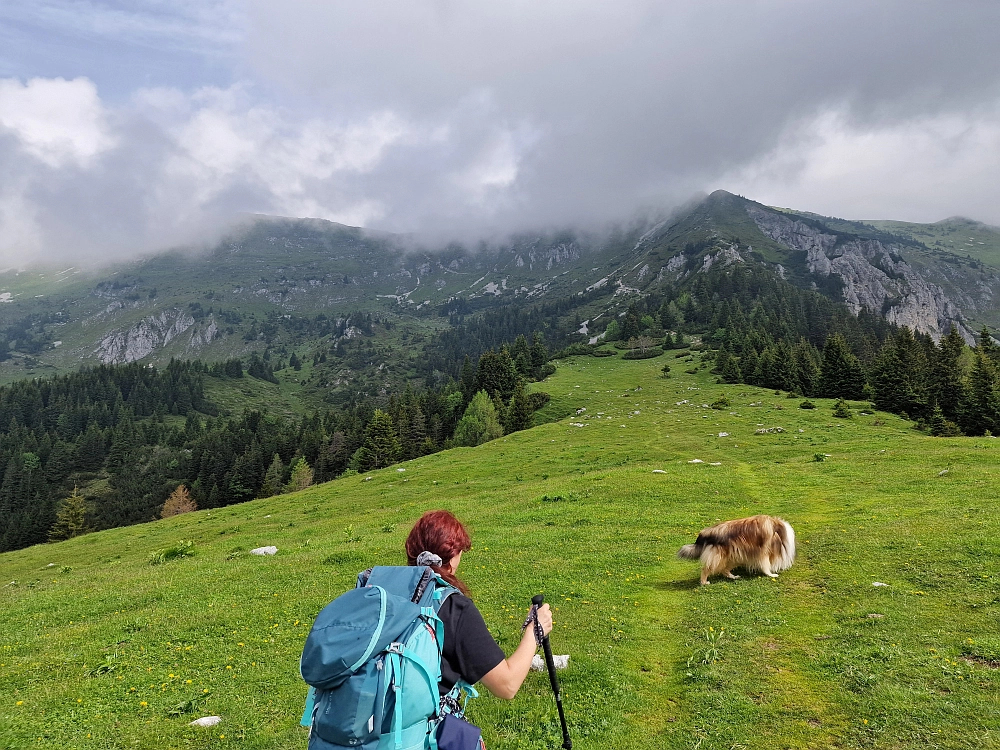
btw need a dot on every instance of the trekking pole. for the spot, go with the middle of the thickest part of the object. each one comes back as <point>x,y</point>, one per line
<point>551,666</point>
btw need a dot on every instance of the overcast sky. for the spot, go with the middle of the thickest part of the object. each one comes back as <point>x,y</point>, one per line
<point>129,126</point>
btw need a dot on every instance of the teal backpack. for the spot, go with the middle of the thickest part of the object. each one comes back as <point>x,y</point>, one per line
<point>373,663</point>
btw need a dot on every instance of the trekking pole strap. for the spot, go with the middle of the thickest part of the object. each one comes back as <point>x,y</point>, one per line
<point>532,619</point>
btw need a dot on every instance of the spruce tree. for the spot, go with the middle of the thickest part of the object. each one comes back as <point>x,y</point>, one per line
<point>630,325</point>
<point>947,388</point>
<point>841,375</point>
<point>980,412</point>
<point>518,413</point>
<point>71,518</point>
<point>806,372</point>
<point>381,447</point>
<point>496,374</point>
<point>467,379</point>
<point>521,354</point>
<point>731,372</point>
<point>941,426</point>
<point>273,478</point>
<point>539,352</point>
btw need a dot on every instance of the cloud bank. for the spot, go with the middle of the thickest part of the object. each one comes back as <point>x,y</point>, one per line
<point>453,119</point>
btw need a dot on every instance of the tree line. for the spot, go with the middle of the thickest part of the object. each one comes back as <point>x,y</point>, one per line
<point>764,331</point>
<point>129,435</point>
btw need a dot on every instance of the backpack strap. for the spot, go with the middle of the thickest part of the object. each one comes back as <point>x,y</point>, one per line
<point>307,712</point>
<point>378,630</point>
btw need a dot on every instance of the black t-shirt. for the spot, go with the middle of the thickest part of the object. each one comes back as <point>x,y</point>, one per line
<point>469,648</point>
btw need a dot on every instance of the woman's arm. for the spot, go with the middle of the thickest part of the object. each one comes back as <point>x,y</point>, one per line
<point>505,679</point>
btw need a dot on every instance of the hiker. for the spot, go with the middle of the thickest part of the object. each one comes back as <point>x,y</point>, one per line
<point>470,652</point>
<point>377,673</point>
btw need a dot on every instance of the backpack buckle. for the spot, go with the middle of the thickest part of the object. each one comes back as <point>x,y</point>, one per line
<point>395,648</point>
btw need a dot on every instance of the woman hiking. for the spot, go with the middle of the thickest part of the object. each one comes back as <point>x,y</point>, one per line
<point>470,652</point>
<point>379,677</point>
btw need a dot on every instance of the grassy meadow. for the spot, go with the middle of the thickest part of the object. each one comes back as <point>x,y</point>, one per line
<point>101,648</point>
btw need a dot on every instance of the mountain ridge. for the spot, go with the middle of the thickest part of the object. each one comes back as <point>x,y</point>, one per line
<point>221,303</point>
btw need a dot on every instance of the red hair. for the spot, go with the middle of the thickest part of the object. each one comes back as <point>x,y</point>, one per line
<point>439,532</point>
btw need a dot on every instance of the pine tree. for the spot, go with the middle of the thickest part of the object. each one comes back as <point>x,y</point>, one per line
<point>302,476</point>
<point>272,478</point>
<point>518,413</point>
<point>539,352</point>
<point>381,447</point>
<point>841,375</point>
<point>947,389</point>
<point>980,412</point>
<point>467,379</point>
<point>479,424</point>
<point>71,518</point>
<point>180,501</point>
<point>731,372</point>
<point>496,374</point>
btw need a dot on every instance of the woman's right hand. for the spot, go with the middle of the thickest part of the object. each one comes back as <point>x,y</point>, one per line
<point>545,618</point>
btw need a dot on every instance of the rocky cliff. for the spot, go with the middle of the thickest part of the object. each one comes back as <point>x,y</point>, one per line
<point>874,274</point>
<point>153,333</point>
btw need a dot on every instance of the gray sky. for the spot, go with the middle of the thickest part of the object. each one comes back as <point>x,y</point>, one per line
<point>128,127</point>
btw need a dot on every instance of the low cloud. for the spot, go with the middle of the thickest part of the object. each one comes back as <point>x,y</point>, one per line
<point>922,169</point>
<point>460,120</point>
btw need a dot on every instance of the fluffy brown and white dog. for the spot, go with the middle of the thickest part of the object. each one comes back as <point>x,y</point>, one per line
<point>758,543</point>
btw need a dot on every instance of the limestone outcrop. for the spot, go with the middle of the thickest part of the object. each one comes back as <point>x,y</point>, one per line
<point>145,337</point>
<point>874,274</point>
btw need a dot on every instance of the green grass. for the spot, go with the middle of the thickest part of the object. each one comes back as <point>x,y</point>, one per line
<point>962,237</point>
<point>97,650</point>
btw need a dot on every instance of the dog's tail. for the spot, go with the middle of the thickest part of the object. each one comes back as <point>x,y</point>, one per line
<point>786,548</point>
<point>689,552</point>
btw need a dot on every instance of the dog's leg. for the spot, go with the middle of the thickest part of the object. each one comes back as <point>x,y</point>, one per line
<point>766,569</point>
<point>704,576</point>
<point>729,574</point>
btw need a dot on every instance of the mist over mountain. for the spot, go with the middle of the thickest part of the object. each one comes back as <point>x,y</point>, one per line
<point>273,282</point>
<point>126,130</point>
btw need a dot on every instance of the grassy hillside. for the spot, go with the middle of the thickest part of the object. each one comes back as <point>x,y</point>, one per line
<point>963,237</point>
<point>99,646</point>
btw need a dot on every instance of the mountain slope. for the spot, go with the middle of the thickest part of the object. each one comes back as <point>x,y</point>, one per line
<point>282,284</point>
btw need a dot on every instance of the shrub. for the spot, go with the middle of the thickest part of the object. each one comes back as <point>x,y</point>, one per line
<point>841,410</point>
<point>573,350</point>
<point>721,403</point>
<point>640,354</point>
<point>807,404</point>
<point>538,399</point>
